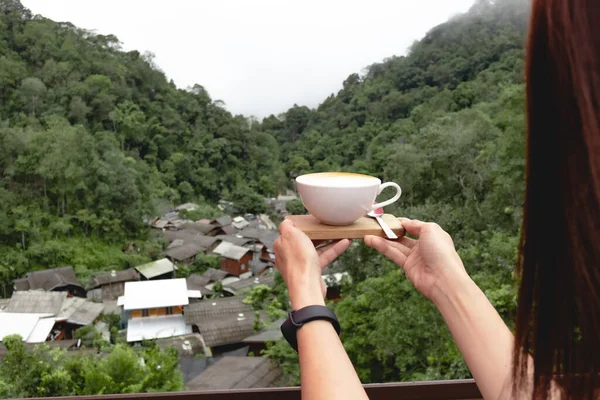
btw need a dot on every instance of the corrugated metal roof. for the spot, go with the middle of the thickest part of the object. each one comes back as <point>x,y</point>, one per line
<point>69,306</point>
<point>196,312</point>
<point>184,252</point>
<point>4,303</point>
<point>161,223</point>
<point>42,329</point>
<point>267,221</point>
<point>49,279</point>
<point>152,294</point>
<point>224,220</point>
<point>147,328</point>
<point>229,229</point>
<point>214,275</point>
<point>36,302</point>
<point>226,329</point>
<point>243,284</point>
<point>241,224</point>
<point>86,314</point>
<point>197,226</point>
<point>23,325</point>
<point>156,268</point>
<point>252,233</point>
<point>237,373</point>
<point>107,278</point>
<point>231,251</point>
<point>237,240</point>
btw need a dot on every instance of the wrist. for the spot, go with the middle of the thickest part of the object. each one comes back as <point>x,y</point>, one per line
<point>306,296</point>
<point>450,288</point>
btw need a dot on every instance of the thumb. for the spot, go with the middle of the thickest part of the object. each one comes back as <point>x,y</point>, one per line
<point>286,226</point>
<point>412,226</point>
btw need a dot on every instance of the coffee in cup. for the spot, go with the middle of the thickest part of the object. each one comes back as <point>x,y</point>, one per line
<point>340,198</point>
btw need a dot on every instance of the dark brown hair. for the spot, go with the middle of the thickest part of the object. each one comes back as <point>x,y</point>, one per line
<point>558,317</point>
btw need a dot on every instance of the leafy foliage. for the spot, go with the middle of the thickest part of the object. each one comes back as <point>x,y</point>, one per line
<point>42,371</point>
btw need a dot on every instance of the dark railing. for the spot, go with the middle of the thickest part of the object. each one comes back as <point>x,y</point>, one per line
<point>430,390</point>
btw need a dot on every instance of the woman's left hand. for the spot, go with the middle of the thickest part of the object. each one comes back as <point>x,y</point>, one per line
<point>300,264</point>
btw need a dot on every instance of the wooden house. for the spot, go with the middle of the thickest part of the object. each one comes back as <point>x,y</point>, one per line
<point>111,285</point>
<point>60,279</point>
<point>154,309</point>
<point>235,260</point>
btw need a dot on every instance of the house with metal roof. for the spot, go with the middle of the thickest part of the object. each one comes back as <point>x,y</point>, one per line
<point>248,283</point>
<point>223,323</point>
<point>159,269</point>
<point>60,279</point>
<point>154,309</point>
<point>234,259</point>
<point>59,316</point>
<point>111,285</point>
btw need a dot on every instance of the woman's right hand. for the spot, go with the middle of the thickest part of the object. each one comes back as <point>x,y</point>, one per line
<point>430,262</point>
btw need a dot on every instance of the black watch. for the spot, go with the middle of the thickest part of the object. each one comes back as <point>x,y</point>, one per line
<point>298,318</point>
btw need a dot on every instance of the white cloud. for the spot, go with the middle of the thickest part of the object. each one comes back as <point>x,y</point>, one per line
<point>259,56</point>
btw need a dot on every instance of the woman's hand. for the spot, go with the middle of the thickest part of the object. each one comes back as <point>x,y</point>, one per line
<point>300,264</point>
<point>430,262</point>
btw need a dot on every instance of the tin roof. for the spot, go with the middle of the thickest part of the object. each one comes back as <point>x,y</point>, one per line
<point>152,294</point>
<point>231,251</point>
<point>156,268</point>
<point>237,373</point>
<point>147,328</point>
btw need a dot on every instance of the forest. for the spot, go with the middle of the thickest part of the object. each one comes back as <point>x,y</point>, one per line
<point>95,140</point>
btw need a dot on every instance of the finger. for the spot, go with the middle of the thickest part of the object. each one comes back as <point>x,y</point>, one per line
<point>412,226</point>
<point>384,247</point>
<point>329,255</point>
<point>326,246</point>
<point>321,243</point>
<point>286,226</point>
<point>408,242</point>
<point>398,245</point>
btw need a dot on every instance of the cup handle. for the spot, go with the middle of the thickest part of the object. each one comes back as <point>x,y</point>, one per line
<point>390,201</point>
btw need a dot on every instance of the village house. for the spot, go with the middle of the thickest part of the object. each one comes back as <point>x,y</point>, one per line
<point>154,309</point>
<point>40,316</point>
<point>240,223</point>
<point>60,279</point>
<point>157,270</point>
<point>259,267</point>
<point>223,323</point>
<point>111,285</point>
<point>242,285</point>
<point>222,221</point>
<point>204,229</point>
<point>185,249</point>
<point>237,373</point>
<point>235,259</point>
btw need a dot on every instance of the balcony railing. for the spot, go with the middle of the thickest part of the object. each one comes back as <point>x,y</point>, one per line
<point>431,390</point>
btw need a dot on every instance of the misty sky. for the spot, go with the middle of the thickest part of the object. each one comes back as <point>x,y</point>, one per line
<point>259,56</point>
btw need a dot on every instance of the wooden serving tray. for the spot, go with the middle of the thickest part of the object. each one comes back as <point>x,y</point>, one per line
<point>315,230</point>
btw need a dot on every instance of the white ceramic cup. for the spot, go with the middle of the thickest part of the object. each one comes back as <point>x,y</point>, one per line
<point>340,198</point>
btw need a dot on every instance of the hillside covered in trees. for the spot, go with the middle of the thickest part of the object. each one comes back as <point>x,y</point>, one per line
<point>93,139</point>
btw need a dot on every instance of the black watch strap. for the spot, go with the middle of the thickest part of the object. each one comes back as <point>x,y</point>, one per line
<point>298,318</point>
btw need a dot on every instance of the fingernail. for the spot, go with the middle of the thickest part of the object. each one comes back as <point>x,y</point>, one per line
<point>402,219</point>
